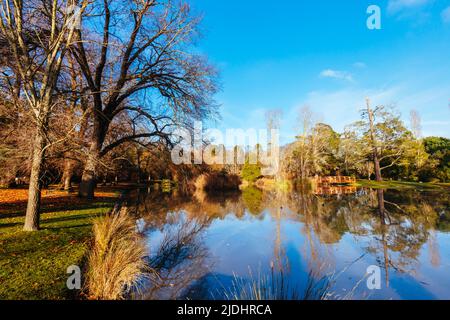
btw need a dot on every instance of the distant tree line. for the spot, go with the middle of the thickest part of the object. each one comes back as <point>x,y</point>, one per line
<point>376,147</point>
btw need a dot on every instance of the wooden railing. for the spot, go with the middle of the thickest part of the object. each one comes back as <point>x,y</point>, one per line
<point>331,180</point>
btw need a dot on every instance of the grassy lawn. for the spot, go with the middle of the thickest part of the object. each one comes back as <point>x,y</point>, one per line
<point>33,265</point>
<point>388,184</point>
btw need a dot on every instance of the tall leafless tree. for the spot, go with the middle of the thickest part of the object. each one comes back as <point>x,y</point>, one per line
<point>140,62</point>
<point>416,125</point>
<point>51,25</point>
<point>373,141</point>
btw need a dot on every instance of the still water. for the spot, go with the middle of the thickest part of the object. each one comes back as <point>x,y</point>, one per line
<point>297,245</point>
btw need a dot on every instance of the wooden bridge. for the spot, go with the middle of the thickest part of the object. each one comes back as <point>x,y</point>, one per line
<point>333,180</point>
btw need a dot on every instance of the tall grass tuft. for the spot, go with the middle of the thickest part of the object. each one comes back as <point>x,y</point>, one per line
<point>116,264</point>
<point>276,286</point>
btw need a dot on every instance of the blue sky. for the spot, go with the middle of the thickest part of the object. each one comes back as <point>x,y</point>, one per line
<point>290,53</point>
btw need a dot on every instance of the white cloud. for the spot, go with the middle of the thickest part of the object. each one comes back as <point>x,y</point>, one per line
<point>446,15</point>
<point>360,65</point>
<point>343,75</point>
<point>395,6</point>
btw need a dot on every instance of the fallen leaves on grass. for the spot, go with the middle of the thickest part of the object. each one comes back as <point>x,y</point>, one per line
<point>18,195</point>
<point>17,199</point>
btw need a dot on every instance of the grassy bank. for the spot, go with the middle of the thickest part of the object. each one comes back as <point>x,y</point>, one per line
<point>33,265</point>
<point>388,184</point>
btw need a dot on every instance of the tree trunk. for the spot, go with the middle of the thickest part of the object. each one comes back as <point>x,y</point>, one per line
<point>88,179</point>
<point>67,175</point>
<point>377,167</point>
<point>376,161</point>
<point>68,182</point>
<point>34,191</point>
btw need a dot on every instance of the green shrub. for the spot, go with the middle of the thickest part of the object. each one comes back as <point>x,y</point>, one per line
<point>251,172</point>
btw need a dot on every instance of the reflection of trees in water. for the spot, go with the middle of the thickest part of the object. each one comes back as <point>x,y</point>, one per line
<point>406,222</point>
<point>400,223</point>
<point>397,223</point>
<point>179,260</point>
<point>153,207</point>
<point>252,198</point>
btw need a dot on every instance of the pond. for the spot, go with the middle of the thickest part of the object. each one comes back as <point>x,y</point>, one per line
<point>328,244</point>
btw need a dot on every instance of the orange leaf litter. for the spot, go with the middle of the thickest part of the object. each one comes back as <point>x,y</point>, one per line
<point>21,195</point>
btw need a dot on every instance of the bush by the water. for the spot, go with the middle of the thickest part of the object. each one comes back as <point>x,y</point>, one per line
<point>251,172</point>
<point>218,181</point>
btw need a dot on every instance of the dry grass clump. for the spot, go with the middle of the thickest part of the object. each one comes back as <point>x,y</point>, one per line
<point>276,286</point>
<point>116,264</point>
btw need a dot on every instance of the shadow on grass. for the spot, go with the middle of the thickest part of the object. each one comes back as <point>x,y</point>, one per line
<point>49,205</point>
<point>45,222</point>
<point>33,265</point>
<point>68,227</point>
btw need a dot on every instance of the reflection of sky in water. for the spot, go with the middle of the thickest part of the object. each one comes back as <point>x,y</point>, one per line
<point>237,245</point>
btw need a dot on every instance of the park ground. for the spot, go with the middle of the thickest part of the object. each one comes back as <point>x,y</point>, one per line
<point>34,265</point>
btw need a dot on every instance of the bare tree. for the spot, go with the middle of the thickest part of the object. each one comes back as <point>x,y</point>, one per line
<point>306,123</point>
<point>76,115</point>
<point>51,24</point>
<point>416,126</point>
<point>273,122</point>
<point>141,65</point>
<point>374,144</point>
